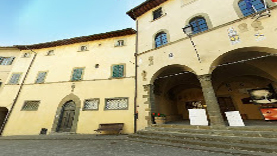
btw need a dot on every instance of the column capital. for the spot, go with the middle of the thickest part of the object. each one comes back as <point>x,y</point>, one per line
<point>205,77</point>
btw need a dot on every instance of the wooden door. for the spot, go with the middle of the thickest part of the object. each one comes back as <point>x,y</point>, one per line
<point>67,117</point>
<point>226,104</point>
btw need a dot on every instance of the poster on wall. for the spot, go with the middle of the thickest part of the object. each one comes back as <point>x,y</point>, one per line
<point>269,113</point>
<point>234,118</point>
<point>263,95</point>
<point>198,117</point>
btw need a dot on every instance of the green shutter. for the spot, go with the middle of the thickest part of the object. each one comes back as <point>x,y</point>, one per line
<point>77,74</point>
<point>118,70</point>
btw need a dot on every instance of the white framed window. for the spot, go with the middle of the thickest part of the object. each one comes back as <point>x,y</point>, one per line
<point>91,104</point>
<point>15,78</point>
<point>6,60</point>
<point>30,106</point>
<point>119,103</point>
<point>120,43</point>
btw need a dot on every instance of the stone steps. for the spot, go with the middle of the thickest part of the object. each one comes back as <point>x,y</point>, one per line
<point>211,146</point>
<point>242,141</point>
<point>224,132</point>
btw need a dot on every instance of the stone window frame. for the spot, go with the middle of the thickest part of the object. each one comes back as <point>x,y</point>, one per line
<point>240,14</point>
<point>98,104</point>
<point>201,15</point>
<point>127,108</point>
<point>20,74</point>
<point>25,103</point>
<point>72,72</point>
<point>124,72</point>
<point>158,32</point>
<point>6,60</point>
<point>44,77</point>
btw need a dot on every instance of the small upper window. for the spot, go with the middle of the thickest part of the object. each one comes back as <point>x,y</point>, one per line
<point>50,52</point>
<point>157,13</point>
<point>6,60</point>
<point>198,24</point>
<point>26,55</point>
<point>257,4</point>
<point>120,43</point>
<point>83,48</point>
<point>160,39</point>
<point>77,74</point>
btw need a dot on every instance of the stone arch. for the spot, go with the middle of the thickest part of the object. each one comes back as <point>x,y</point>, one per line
<point>259,51</point>
<point>166,89</point>
<point>77,101</point>
<point>165,68</point>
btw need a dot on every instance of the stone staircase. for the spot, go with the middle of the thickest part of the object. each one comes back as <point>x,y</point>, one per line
<point>229,140</point>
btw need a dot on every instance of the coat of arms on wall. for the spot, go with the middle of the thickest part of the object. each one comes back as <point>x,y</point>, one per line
<point>233,36</point>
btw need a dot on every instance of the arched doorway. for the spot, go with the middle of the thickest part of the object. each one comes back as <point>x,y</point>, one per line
<point>67,117</point>
<point>175,90</point>
<point>67,113</point>
<point>3,114</point>
<point>237,74</point>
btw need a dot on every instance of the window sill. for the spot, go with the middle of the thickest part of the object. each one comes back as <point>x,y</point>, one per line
<point>120,45</point>
<point>82,50</point>
<point>159,17</point>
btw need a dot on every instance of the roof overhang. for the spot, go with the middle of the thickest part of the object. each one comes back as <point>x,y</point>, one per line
<point>117,33</point>
<point>144,7</point>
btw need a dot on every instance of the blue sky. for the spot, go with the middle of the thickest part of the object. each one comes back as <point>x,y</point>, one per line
<point>37,21</point>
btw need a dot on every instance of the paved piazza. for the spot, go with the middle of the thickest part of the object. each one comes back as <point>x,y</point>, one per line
<point>93,148</point>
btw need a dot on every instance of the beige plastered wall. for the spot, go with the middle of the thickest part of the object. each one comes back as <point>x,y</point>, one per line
<point>96,83</point>
<point>5,71</point>
<point>210,44</point>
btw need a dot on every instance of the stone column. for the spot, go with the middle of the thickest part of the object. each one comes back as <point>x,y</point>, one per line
<point>216,119</point>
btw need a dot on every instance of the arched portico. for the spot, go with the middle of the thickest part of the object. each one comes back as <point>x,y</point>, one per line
<point>238,74</point>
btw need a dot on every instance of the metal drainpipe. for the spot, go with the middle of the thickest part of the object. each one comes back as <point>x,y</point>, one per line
<point>136,79</point>
<point>18,93</point>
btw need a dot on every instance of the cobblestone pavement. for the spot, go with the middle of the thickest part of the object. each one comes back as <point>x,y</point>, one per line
<point>91,147</point>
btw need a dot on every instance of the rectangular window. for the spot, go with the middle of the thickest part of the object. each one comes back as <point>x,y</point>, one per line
<point>116,103</point>
<point>30,105</point>
<point>118,71</point>
<point>157,13</point>
<point>15,78</point>
<point>120,43</point>
<point>41,77</point>
<point>77,74</point>
<point>83,48</point>
<point>91,104</point>
<point>6,60</point>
